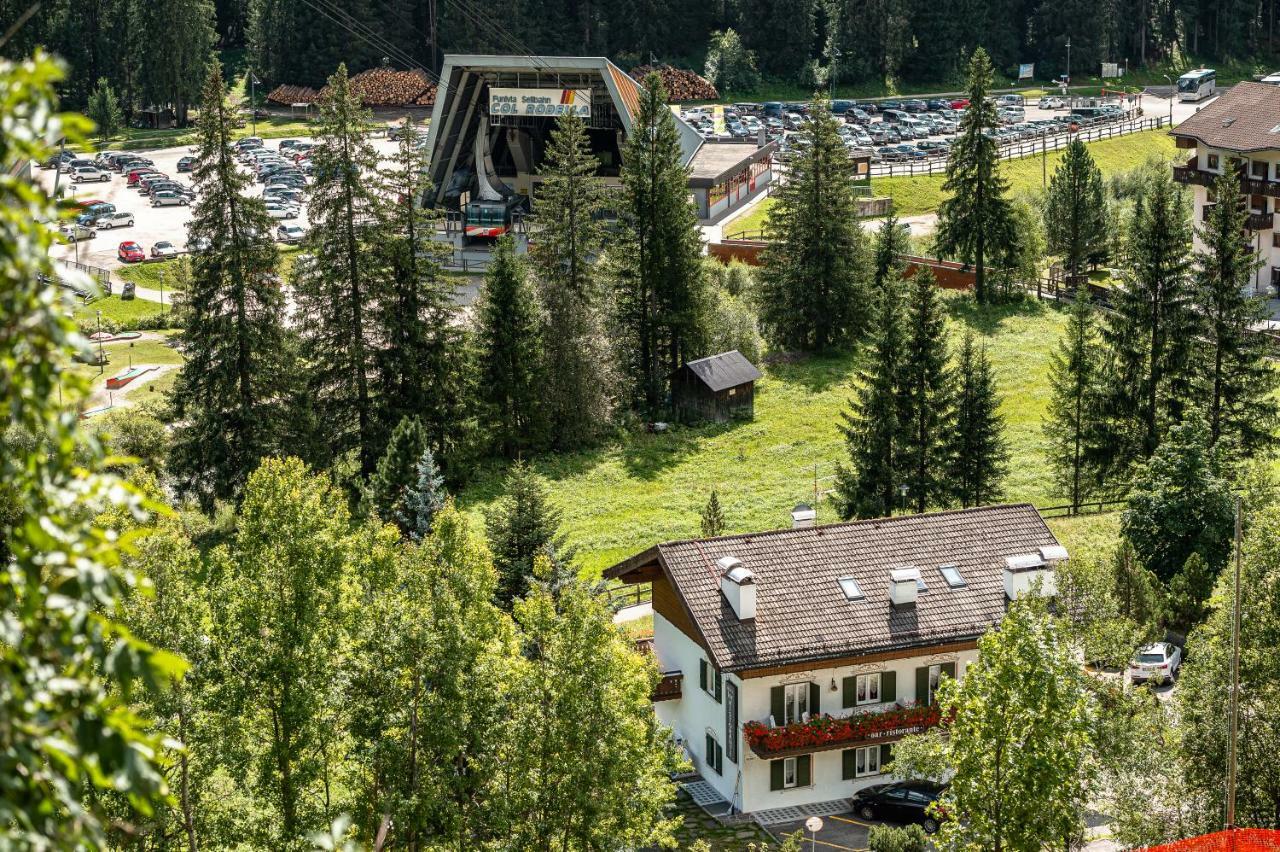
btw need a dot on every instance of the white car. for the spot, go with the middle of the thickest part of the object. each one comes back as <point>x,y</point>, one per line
<point>280,211</point>
<point>115,220</point>
<point>85,174</point>
<point>164,248</point>
<point>1052,102</point>
<point>1158,661</point>
<point>290,233</point>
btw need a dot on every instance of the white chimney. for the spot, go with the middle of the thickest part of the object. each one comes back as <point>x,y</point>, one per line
<point>802,515</point>
<point>738,585</point>
<point>904,585</point>
<point>1022,571</point>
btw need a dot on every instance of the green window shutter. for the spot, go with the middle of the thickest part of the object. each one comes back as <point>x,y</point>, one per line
<point>775,775</point>
<point>888,686</point>
<point>719,759</point>
<point>815,699</point>
<point>922,684</point>
<point>719,686</point>
<point>850,696</point>
<point>778,705</point>
<point>848,764</point>
<point>702,674</point>
<point>886,755</point>
<point>949,669</point>
<point>803,770</point>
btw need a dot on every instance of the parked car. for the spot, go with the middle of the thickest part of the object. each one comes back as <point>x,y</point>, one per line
<point>164,248</point>
<point>118,219</point>
<point>286,144</point>
<point>960,103</point>
<point>76,233</point>
<point>68,167</point>
<point>198,245</point>
<point>281,211</point>
<point>290,233</point>
<point>884,105</point>
<point>1158,661</point>
<point>1011,100</point>
<point>1052,102</point>
<point>56,161</point>
<point>938,103</point>
<point>915,105</point>
<point>169,198</point>
<point>94,212</point>
<point>130,252</point>
<point>185,164</point>
<point>89,174</point>
<point>903,801</point>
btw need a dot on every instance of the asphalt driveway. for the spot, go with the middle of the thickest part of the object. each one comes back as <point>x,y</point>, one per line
<point>844,832</point>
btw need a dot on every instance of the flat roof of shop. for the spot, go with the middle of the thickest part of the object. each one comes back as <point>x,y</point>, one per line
<point>716,162</point>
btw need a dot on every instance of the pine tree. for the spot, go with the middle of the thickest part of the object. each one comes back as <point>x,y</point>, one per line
<point>397,469</point>
<point>421,362</point>
<point>509,350</point>
<point>173,48</point>
<point>978,451</point>
<point>1072,423</point>
<point>712,517</point>
<point>813,282</point>
<point>523,526</point>
<point>1150,331</point>
<point>660,291</point>
<point>927,396</point>
<point>890,246</point>
<point>1236,381</point>
<point>975,223</point>
<point>578,369</point>
<point>104,109</point>
<point>230,392</point>
<point>423,500</point>
<point>337,293</point>
<point>873,428</point>
<point>1076,213</point>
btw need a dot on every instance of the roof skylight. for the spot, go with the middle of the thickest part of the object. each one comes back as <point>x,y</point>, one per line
<point>952,575</point>
<point>849,586</point>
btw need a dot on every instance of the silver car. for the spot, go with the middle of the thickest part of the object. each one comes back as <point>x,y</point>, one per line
<point>1158,661</point>
<point>168,198</point>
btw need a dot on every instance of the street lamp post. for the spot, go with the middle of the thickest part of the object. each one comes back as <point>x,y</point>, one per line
<point>101,358</point>
<point>161,291</point>
<point>835,62</point>
<point>253,101</point>
<point>1172,88</point>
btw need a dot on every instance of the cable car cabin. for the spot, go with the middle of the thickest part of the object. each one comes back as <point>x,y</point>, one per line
<point>489,219</point>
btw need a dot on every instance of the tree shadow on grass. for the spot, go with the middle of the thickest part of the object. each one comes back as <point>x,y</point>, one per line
<point>987,320</point>
<point>815,373</point>
<point>645,455</point>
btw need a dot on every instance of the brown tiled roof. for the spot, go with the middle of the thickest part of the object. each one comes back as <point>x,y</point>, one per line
<point>1246,118</point>
<point>803,616</point>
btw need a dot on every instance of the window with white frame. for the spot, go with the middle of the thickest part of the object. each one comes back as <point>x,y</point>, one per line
<point>868,689</point>
<point>866,761</point>
<point>795,702</point>
<point>790,777</point>
<point>935,680</point>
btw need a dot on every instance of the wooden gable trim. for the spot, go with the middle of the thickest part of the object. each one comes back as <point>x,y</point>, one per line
<point>838,662</point>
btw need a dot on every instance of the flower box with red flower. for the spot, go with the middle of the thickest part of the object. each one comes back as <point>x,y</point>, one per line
<point>823,732</point>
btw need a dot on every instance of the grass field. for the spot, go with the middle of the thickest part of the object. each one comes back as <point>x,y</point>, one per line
<point>647,488</point>
<point>152,351</point>
<point>117,310</point>
<point>913,196</point>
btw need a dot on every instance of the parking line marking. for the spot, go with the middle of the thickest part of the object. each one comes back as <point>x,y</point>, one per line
<point>853,821</point>
<point>834,845</point>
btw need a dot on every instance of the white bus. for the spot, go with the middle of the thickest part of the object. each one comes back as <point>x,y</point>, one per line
<point>1197,85</point>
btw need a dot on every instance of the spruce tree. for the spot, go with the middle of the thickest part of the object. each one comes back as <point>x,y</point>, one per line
<point>230,392</point>
<point>890,246</point>
<point>509,350</point>
<point>927,396</point>
<point>1071,426</point>
<point>978,450</point>
<point>1076,213</point>
<point>522,527</point>
<point>104,109</point>
<point>712,517</point>
<point>660,290</point>
<point>337,293</point>
<point>570,236</point>
<point>815,273</point>
<point>1236,382</point>
<point>423,500</point>
<point>873,426</point>
<point>421,361</point>
<point>397,469</point>
<point>975,223</point>
<point>1150,331</point>
<point>174,45</point>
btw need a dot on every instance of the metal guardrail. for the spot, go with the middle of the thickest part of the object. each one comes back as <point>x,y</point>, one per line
<point>620,597</point>
<point>99,274</point>
<point>1091,507</point>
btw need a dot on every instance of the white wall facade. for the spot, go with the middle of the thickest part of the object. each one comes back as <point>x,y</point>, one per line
<point>1214,160</point>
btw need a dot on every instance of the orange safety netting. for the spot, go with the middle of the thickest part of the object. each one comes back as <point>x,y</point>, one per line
<point>1237,840</point>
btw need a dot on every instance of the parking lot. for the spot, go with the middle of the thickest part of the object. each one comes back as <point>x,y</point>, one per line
<point>842,831</point>
<point>151,224</point>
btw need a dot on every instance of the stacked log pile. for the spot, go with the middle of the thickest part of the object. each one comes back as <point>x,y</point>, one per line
<point>681,85</point>
<point>387,87</point>
<point>290,95</point>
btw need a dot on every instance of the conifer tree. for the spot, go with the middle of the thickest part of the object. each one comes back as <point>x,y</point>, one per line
<point>813,282</point>
<point>660,290</point>
<point>1076,212</point>
<point>510,355</point>
<point>927,396</point>
<point>523,526</point>
<point>1150,331</point>
<point>229,395</point>
<point>104,109</point>
<point>1236,382</point>
<point>1072,423</point>
<point>978,449</point>
<point>712,517</point>
<point>873,427</point>
<point>397,471</point>
<point>890,246</point>
<point>975,223</point>
<point>421,360</point>
<point>337,292</point>
<point>578,367</point>
<point>175,44</point>
<point>423,500</point>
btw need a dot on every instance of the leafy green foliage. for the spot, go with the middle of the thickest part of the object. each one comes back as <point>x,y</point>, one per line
<point>397,470</point>
<point>1073,421</point>
<point>423,499</point>
<point>895,838</point>
<point>104,110</point>
<point>730,66</point>
<point>523,527</point>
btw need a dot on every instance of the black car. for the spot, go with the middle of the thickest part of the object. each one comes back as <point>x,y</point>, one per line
<point>915,105</point>
<point>939,104</point>
<point>903,801</point>
<point>884,105</point>
<point>185,164</point>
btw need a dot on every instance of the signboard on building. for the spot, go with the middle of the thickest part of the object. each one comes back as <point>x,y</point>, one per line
<point>540,102</point>
<point>1026,70</point>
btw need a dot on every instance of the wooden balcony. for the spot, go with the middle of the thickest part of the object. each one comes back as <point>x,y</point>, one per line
<point>1190,173</point>
<point>825,733</point>
<point>669,688</point>
<point>1260,221</point>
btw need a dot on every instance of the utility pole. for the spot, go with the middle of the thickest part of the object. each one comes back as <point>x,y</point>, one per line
<point>835,63</point>
<point>1234,712</point>
<point>1068,60</point>
<point>253,100</point>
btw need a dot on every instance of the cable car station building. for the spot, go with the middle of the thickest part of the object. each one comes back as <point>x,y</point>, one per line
<point>492,122</point>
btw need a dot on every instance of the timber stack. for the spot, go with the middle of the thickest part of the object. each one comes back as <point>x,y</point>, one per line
<point>681,85</point>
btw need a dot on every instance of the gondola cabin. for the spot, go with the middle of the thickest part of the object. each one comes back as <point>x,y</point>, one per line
<point>718,388</point>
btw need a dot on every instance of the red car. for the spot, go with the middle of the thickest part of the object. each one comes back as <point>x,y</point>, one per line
<point>130,252</point>
<point>960,103</point>
<point>86,203</point>
<point>136,174</point>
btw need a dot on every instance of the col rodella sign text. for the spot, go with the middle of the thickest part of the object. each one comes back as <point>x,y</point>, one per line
<point>540,102</point>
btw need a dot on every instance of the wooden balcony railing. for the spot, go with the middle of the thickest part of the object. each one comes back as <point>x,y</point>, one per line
<point>669,688</point>
<point>823,732</point>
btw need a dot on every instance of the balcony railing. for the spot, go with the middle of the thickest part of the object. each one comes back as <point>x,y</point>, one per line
<point>1260,221</point>
<point>669,688</point>
<point>823,732</point>
<point>1190,174</point>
